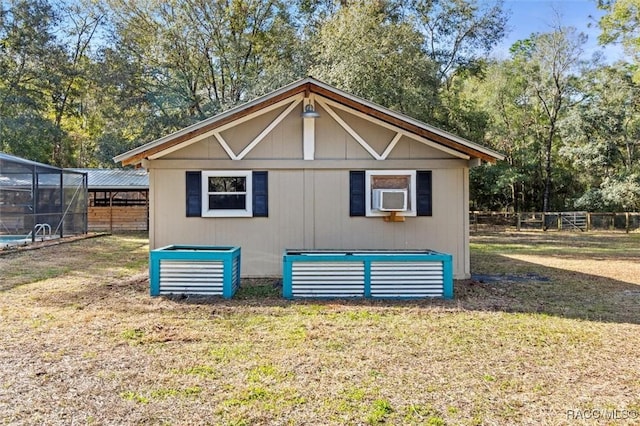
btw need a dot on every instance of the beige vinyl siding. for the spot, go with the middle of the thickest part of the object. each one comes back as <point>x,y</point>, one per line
<point>262,239</point>
<point>239,137</point>
<point>208,148</point>
<point>443,231</point>
<point>153,189</point>
<point>310,209</point>
<point>283,142</point>
<point>309,200</point>
<point>407,148</point>
<point>377,137</point>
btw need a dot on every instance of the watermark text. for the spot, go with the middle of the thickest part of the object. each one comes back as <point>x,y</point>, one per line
<point>602,414</point>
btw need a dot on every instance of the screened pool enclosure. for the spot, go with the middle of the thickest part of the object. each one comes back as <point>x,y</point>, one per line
<point>39,202</point>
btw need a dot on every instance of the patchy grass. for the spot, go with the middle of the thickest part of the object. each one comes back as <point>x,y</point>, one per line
<point>586,276</point>
<point>83,343</point>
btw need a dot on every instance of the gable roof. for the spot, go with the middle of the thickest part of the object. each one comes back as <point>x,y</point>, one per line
<point>310,85</point>
<point>116,179</point>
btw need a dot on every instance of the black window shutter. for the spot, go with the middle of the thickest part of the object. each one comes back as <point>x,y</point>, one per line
<point>194,194</point>
<point>423,193</point>
<point>357,193</point>
<point>260,194</point>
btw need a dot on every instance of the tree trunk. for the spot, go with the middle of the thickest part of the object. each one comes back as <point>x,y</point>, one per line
<point>547,169</point>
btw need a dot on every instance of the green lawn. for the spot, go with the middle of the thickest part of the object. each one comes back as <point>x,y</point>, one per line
<point>547,334</point>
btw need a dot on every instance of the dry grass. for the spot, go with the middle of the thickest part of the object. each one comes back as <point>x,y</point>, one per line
<point>83,343</point>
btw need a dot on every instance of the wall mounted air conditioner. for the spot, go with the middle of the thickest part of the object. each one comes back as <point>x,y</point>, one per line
<point>390,200</point>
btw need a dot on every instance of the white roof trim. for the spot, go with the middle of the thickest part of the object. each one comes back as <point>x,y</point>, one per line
<point>394,128</point>
<point>216,132</point>
<point>410,120</point>
<point>210,120</point>
<point>228,113</point>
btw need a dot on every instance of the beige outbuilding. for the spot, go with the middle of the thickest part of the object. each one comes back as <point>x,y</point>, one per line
<point>310,167</point>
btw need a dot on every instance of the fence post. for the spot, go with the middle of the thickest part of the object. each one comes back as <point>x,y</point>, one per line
<point>588,221</point>
<point>544,220</point>
<point>475,221</point>
<point>559,219</point>
<point>626,222</point>
<point>613,222</point>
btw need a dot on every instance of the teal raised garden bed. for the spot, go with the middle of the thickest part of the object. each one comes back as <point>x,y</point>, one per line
<point>404,274</point>
<point>198,270</point>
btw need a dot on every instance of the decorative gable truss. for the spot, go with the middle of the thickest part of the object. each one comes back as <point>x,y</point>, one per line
<point>291,104</point>
<point>332,100</point>
<point>308,141</point>
<point>217,132</point>
<point>329,105</point>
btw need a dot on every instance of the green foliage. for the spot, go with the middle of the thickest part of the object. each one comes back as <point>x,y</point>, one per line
<point>426,415</point>
<point>621,24</point>
<point>26,43</point>
<point>134,396</point>
<point>203,371</point>
<point>43,81</point>
<point>491,187</point>
<point>199,58</point>
<point>133,336</point>
<point>457,32</point>
<point>81,82</point>
<point>621,192</point>
<point>528,99</point>
<point>164,393</point>
<point>361,50</point>
<point>601,139</point>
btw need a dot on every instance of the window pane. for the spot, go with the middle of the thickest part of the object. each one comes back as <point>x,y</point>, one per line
<point>227,184</point>
<point>227,202</point>
<point>390,182</point>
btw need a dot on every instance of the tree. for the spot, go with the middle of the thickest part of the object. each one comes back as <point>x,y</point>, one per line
<point>551,63</point>
<point>457,36</point>
<point>512,129</point>
<point>203,57</point>
<point>124,116</point>
<point>43,80</point>
<point>172,63</point>
<point>621,24</point>
<point>602,139</point>
<point>362,50</point>
<point>457,33</point>
<point>27,52</point>
<point>69,84</point>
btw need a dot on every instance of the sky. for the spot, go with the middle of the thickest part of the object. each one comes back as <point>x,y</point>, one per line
<point>529,16</point>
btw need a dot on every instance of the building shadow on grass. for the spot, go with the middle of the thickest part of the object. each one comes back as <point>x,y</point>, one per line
<point>531,289</point>
<point>527,288</point>
<point>560,293</point>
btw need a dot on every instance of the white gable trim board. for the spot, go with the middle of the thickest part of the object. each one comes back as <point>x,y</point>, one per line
<point>308,139</point>
<point>291,102</point>
<point>308,88</point>
<point>326,104</point>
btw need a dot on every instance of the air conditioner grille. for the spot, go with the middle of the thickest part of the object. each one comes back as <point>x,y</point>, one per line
<point>390,199</point>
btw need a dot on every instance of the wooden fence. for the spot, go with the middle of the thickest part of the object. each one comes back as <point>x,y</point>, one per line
<point>555,221</point>
<point>118,218</point>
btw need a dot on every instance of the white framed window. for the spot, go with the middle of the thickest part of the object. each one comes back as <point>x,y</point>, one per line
<point>227,193</point>
<point>390,190</point>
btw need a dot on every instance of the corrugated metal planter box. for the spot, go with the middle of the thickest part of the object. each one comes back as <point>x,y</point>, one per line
<point>403,274</point>
<point>205,270</point>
